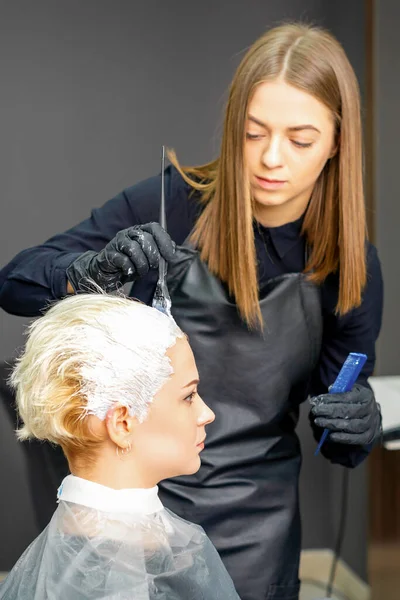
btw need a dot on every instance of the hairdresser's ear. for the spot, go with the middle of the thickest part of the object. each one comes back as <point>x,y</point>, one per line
<point>119,424</point>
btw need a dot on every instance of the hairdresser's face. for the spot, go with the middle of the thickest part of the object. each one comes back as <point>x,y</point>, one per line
<point>289,137</point>
<point>169,442</point>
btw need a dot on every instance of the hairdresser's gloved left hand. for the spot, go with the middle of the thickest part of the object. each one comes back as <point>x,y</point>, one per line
<point>352,417</point>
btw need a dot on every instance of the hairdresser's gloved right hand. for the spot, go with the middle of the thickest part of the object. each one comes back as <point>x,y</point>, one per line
<point>127,257</point>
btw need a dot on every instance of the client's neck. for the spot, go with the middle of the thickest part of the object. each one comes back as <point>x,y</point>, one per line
<point>113,471</point>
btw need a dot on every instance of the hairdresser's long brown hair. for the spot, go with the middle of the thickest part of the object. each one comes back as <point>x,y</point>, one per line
<point>312,60</point>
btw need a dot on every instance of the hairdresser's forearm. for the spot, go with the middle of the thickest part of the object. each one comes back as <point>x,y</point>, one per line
<point>32,279</point>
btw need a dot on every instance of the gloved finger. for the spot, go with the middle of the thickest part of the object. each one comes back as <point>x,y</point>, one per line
<point>133,250</point>
<point>106,261</point>
<point>164,242</point>
<point>344,398</point>
<point>360,439</point>
<point>342,410</point>
<point>125,266</point>
<point>358,395</point>
<point>344,425</point>
<point>140,246</point>
<point>126,244</point>
<point>149,247</point>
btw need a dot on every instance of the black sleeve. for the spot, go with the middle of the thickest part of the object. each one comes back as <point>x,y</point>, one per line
<point>37,275</point>
<point>355,332</point>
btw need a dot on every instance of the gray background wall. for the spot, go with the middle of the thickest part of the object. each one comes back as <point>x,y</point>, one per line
<point>387,197</point>
<point>89,92</point>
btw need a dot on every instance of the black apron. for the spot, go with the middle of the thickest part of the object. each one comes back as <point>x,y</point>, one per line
<point>245,494</point>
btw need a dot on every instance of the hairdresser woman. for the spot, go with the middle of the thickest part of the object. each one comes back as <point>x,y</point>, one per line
<point>271,277</point>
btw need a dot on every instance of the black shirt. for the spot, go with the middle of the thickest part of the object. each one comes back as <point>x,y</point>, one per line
<point>37,275</point>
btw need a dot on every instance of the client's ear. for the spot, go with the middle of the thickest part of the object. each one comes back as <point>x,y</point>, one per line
<point>120,425</point>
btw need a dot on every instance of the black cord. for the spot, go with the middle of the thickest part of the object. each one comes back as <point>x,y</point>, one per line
<point>341,531</point>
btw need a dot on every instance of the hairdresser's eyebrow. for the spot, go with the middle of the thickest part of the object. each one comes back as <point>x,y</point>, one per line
<point>194,382</point>
<point>302,127</point>
<point>257,122</point>
<point>294,128</point>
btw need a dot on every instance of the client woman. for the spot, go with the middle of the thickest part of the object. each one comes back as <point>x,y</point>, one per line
<point>114,383</point>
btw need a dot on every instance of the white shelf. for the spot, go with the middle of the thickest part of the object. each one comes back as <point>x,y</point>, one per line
<point>387,394</point>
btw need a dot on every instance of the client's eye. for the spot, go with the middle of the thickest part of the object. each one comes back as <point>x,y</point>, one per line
<point>191,396</point>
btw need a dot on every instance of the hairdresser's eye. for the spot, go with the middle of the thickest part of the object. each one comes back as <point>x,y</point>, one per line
<point>253,136</point>
<point>302,144</point>
<point>189,399</point>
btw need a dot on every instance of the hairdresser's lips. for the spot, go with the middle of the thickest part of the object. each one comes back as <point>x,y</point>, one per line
<point>270,184</point>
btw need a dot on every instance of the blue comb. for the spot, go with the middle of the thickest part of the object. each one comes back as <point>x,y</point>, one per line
<point>344,382</point>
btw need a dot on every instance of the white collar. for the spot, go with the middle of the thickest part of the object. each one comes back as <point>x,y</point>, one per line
<point>127,501</point>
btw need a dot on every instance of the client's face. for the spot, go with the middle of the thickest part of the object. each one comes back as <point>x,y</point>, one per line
<point>169,442</point>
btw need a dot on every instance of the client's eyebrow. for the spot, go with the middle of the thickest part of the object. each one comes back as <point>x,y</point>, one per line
<point>194,382</point>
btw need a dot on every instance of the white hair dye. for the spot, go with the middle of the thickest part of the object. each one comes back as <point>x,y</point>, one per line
<point>103,349</point>
<point>129,365</point>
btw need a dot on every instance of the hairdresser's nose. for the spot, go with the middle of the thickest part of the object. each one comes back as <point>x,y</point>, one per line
<point>205,415</point>
<point>272,154</point>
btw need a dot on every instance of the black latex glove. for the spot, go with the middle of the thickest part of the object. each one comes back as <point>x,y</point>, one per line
<point>352,417</point>
<point>129,256</point>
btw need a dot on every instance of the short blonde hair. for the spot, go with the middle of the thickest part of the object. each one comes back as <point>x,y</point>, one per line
<point>86,353</point>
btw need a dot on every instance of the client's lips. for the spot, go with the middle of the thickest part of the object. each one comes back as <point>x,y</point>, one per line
<point>201,444</point>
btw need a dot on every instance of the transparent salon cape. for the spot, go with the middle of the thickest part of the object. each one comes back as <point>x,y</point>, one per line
<point>86,553</point>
